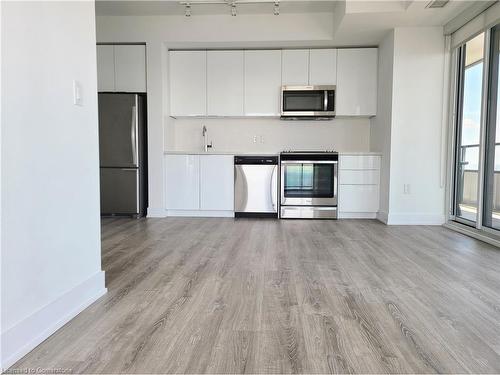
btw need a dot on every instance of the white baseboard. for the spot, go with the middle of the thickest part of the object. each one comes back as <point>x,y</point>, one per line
<point>20,339</point>
<point>382,216</point>
<point>357,215</point>
<point>199,213</point>
<point>156,212</point>
<point>415,219</point>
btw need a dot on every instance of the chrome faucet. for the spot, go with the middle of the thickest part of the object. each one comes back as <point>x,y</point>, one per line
<point>205,139</point>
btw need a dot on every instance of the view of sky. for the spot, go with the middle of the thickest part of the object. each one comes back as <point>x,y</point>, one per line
<point>472,116</point>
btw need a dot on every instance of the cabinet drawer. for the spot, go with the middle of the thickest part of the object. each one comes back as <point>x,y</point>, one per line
<point>358,198</point>
<point>359,162</point>
<point>359,177</point>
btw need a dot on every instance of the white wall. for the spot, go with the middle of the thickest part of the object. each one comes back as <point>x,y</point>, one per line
<point>380,127</point>
<point>219,30</point>
<point>50,224</point>
<point>272,135</point>
<point>417,119</point>
<point>415,126</point>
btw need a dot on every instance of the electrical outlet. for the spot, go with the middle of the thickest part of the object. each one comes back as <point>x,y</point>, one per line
<point>406,188</point>
<point>254,139</point>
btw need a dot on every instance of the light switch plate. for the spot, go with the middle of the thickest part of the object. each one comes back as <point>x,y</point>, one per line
<point>77,93</point>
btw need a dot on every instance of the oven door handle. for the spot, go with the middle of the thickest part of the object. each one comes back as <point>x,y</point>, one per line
<point>309,162</point>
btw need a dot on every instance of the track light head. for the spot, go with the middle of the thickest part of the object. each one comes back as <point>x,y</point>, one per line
<point>233,9</point>
<point>188,10</point>
<point>276,8</point>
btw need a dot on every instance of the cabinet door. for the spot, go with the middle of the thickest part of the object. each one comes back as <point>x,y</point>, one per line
<point>262,83</point>
<point>323,67</point>
<point>182,182</point>
<point>188,83</point>
<point>359,177</point>
<point>357,82</point>
<point>295,67</point>
<point>217,182</point>
<point>105,68</point>
<point>130,68</point>
<point>225,83</point>
<point>359,162</point>
<point>358,198</point>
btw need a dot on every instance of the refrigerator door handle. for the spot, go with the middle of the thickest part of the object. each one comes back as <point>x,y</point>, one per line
<point>133,135</point>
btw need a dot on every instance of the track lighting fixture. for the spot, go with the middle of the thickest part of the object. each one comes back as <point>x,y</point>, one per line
<point>231,3</point>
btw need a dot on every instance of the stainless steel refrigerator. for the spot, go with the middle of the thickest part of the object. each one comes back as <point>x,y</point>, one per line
<point>122,149</point>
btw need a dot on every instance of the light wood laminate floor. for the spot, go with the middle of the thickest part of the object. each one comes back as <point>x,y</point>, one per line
<point>198,295</point>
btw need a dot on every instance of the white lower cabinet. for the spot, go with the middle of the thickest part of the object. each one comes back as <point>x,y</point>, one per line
<point>199,185</point>
<point>217,182</point>
<point>203,185</point>
<point>182,182</point>
<point>359,186</point>
<point>358,198</point>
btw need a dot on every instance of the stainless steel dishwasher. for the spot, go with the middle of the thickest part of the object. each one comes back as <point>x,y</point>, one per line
<point>256,186</point>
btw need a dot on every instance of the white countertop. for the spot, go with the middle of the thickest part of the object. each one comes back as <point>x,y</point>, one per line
<point>215,152</point>
<point>360,153</point>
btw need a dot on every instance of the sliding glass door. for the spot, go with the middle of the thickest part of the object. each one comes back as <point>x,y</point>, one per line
<point>468,147</point>
<point>477,134</point>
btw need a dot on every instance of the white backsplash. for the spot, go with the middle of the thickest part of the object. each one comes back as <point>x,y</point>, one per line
<point>268,135</point>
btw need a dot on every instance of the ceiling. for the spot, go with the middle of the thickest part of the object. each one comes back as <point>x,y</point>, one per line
<point>370,20</point>
<point>354,21</point>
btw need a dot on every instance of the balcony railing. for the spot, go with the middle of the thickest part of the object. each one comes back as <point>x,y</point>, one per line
<point>469,158</point>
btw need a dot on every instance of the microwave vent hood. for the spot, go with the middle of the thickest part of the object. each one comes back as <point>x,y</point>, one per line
<point>308,102</point>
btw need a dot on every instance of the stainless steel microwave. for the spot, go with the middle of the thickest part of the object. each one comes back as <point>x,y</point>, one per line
<point>303,102</point>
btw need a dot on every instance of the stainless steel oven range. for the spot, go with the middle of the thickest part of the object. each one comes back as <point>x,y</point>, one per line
<point>308,184</point>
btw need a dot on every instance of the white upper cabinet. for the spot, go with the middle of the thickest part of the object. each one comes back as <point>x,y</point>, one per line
<point>188,83</point>
<point>262,83</point>
<point>236,83</point>
<point>323,67</point>
<point>217,182</point>
<point>225,83</point>
<point>105,68</point>
<point>357,82</point>
<point>121,68</point>
<point>295,67</point>
<point>130,68</point>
